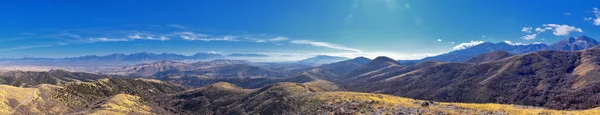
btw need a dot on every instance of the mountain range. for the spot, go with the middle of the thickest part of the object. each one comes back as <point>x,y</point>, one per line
<point>567,44</point>
<point>322,59</point>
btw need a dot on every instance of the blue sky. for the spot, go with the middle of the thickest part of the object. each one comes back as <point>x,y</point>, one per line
<point>401,29</point>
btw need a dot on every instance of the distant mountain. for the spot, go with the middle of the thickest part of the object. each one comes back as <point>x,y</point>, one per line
<point>151,69</point>
<point>148,69</point>
<point>322,59</point>
<point>489,57</point>
<point>239,72</point>
<point>378,66</point>
<point>344,67</point>
<point>465,54</point>
<point>573,44</point>
<point>568,44</point>
<point>206,55</point>
<point>247,55</point>
<point>221,62</point>
<point>552,79</point>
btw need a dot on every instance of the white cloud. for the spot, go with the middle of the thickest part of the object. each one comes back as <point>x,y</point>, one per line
<point>145,36</point>
<point>596,18</point>
<point>439,40</point>
<point>483,36</point>
<point>527,29</point>
<point>105,39</point>
<point>466,45</point>
<point>567,14</point>
<point>529,37</point>
<point>324,44</point>
<point>562,30</point>
<point>597,14</point>
<point>177,26</point>
<point>514,44</point>
<point>136,36</point>
<point>279,39</point>
<point>25,47</point>
<point>540,30</point>
<point>519,43</point>
<point>203,37</point>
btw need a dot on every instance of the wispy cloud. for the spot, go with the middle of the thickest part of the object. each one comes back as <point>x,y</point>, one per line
<point>466,45</point>
<point>105,39</point>
<point>596,18</point>
<point>25,47</point>
<point>518,43</point>
<point>205,37</point>
<point>562,30</point>
<point>540,30</point>
<point>526,29</point>
<point>279,39</point>
<point>557,30</point>
<point>324,44</point>
<point>177,26</point>
<point>529,37</point>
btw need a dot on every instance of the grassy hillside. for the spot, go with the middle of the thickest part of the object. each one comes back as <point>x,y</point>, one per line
<point>295,98</point>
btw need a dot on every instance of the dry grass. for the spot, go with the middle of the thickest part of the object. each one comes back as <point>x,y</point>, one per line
<point>388,101</point>
<point>123,104</point>
<point>16,100</point>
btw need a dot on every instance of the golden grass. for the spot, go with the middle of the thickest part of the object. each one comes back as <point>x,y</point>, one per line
<point>521,110</point>
<point>321,85</point>
<point>15,100</point>
<point>380,100</point>
<point>123,104</point>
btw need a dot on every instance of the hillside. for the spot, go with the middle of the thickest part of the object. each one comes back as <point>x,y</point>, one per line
<point>553,79</point>
<point>294,98</point>
<point>489,57</point>
<point>106,96</point>
<point>225,98</point>
<point>55,77</point>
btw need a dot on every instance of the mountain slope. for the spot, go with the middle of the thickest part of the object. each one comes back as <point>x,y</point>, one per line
<point>378,66</point>
<point>294,98</point>
<point>553,79</point>
<point>489,57</point>
<point>55,77</point>
<point>465,54</point>
<point>106,96</point>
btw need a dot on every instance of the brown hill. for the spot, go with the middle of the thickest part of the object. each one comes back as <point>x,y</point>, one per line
<point>153,97</point>
<point>106,96</point>
<point>553,79</point>
<point>294,98</point>
<point>55,77</point>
